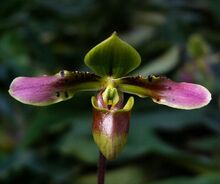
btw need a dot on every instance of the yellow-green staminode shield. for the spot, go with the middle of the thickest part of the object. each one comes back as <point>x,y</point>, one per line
<point>112,57</point>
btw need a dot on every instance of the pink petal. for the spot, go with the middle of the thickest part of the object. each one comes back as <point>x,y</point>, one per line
<point>35,90</point>
<point>182,95</point>
<point>46,90</point>
<point>167,92</point>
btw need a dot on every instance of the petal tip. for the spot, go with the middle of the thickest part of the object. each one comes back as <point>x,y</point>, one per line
<point>187,96</point>
<point>12,88</point>
<point>208,96</point>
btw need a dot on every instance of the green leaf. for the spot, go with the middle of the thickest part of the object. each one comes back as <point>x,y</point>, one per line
<point>125,175</point>
<point>162,64</point>
<point>197,47</point>
<point>78,142</point>
<point>143,138</point>
<point>212,178</point>
<point>112,57</point>
<point>13,53</point>
<point>210,143</point>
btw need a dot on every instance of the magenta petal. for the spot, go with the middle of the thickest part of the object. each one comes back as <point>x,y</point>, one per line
<point>46,90</point>
<point>167,92</point>
<point>37,90</point>
<point>182,95</point>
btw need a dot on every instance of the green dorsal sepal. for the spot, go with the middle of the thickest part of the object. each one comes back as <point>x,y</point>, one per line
<point>112,57</point>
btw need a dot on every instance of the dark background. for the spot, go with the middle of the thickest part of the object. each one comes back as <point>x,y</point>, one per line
<point>54,144</point>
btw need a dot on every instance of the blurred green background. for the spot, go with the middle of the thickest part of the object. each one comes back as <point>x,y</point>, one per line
<point>54,145</point>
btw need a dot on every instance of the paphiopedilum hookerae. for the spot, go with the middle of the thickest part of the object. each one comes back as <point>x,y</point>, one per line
<point>111,61</point>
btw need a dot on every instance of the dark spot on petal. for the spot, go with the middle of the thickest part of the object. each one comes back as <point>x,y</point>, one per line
<point>157,99</point>
<point>62,73</point>
<point>173,99</point>
<point>150,78</point>
<point>58,94</point>
<point>66,94</point>
<point>169,88</point>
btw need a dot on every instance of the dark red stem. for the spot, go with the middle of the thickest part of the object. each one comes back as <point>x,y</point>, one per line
<point>101,169</point>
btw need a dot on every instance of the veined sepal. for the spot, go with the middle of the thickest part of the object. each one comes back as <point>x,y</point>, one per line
<point>111,126</point>
<point>112,57</point>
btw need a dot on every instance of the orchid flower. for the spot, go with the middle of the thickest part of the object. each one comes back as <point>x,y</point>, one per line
<point>111,61</point>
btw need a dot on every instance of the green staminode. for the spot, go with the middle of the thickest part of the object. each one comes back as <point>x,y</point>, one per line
<point>112,57</point>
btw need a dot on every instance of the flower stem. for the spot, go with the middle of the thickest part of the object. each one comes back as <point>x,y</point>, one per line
<point>101,169</point>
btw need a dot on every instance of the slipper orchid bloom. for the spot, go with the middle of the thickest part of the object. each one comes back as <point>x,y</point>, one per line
<point>111,61</point>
